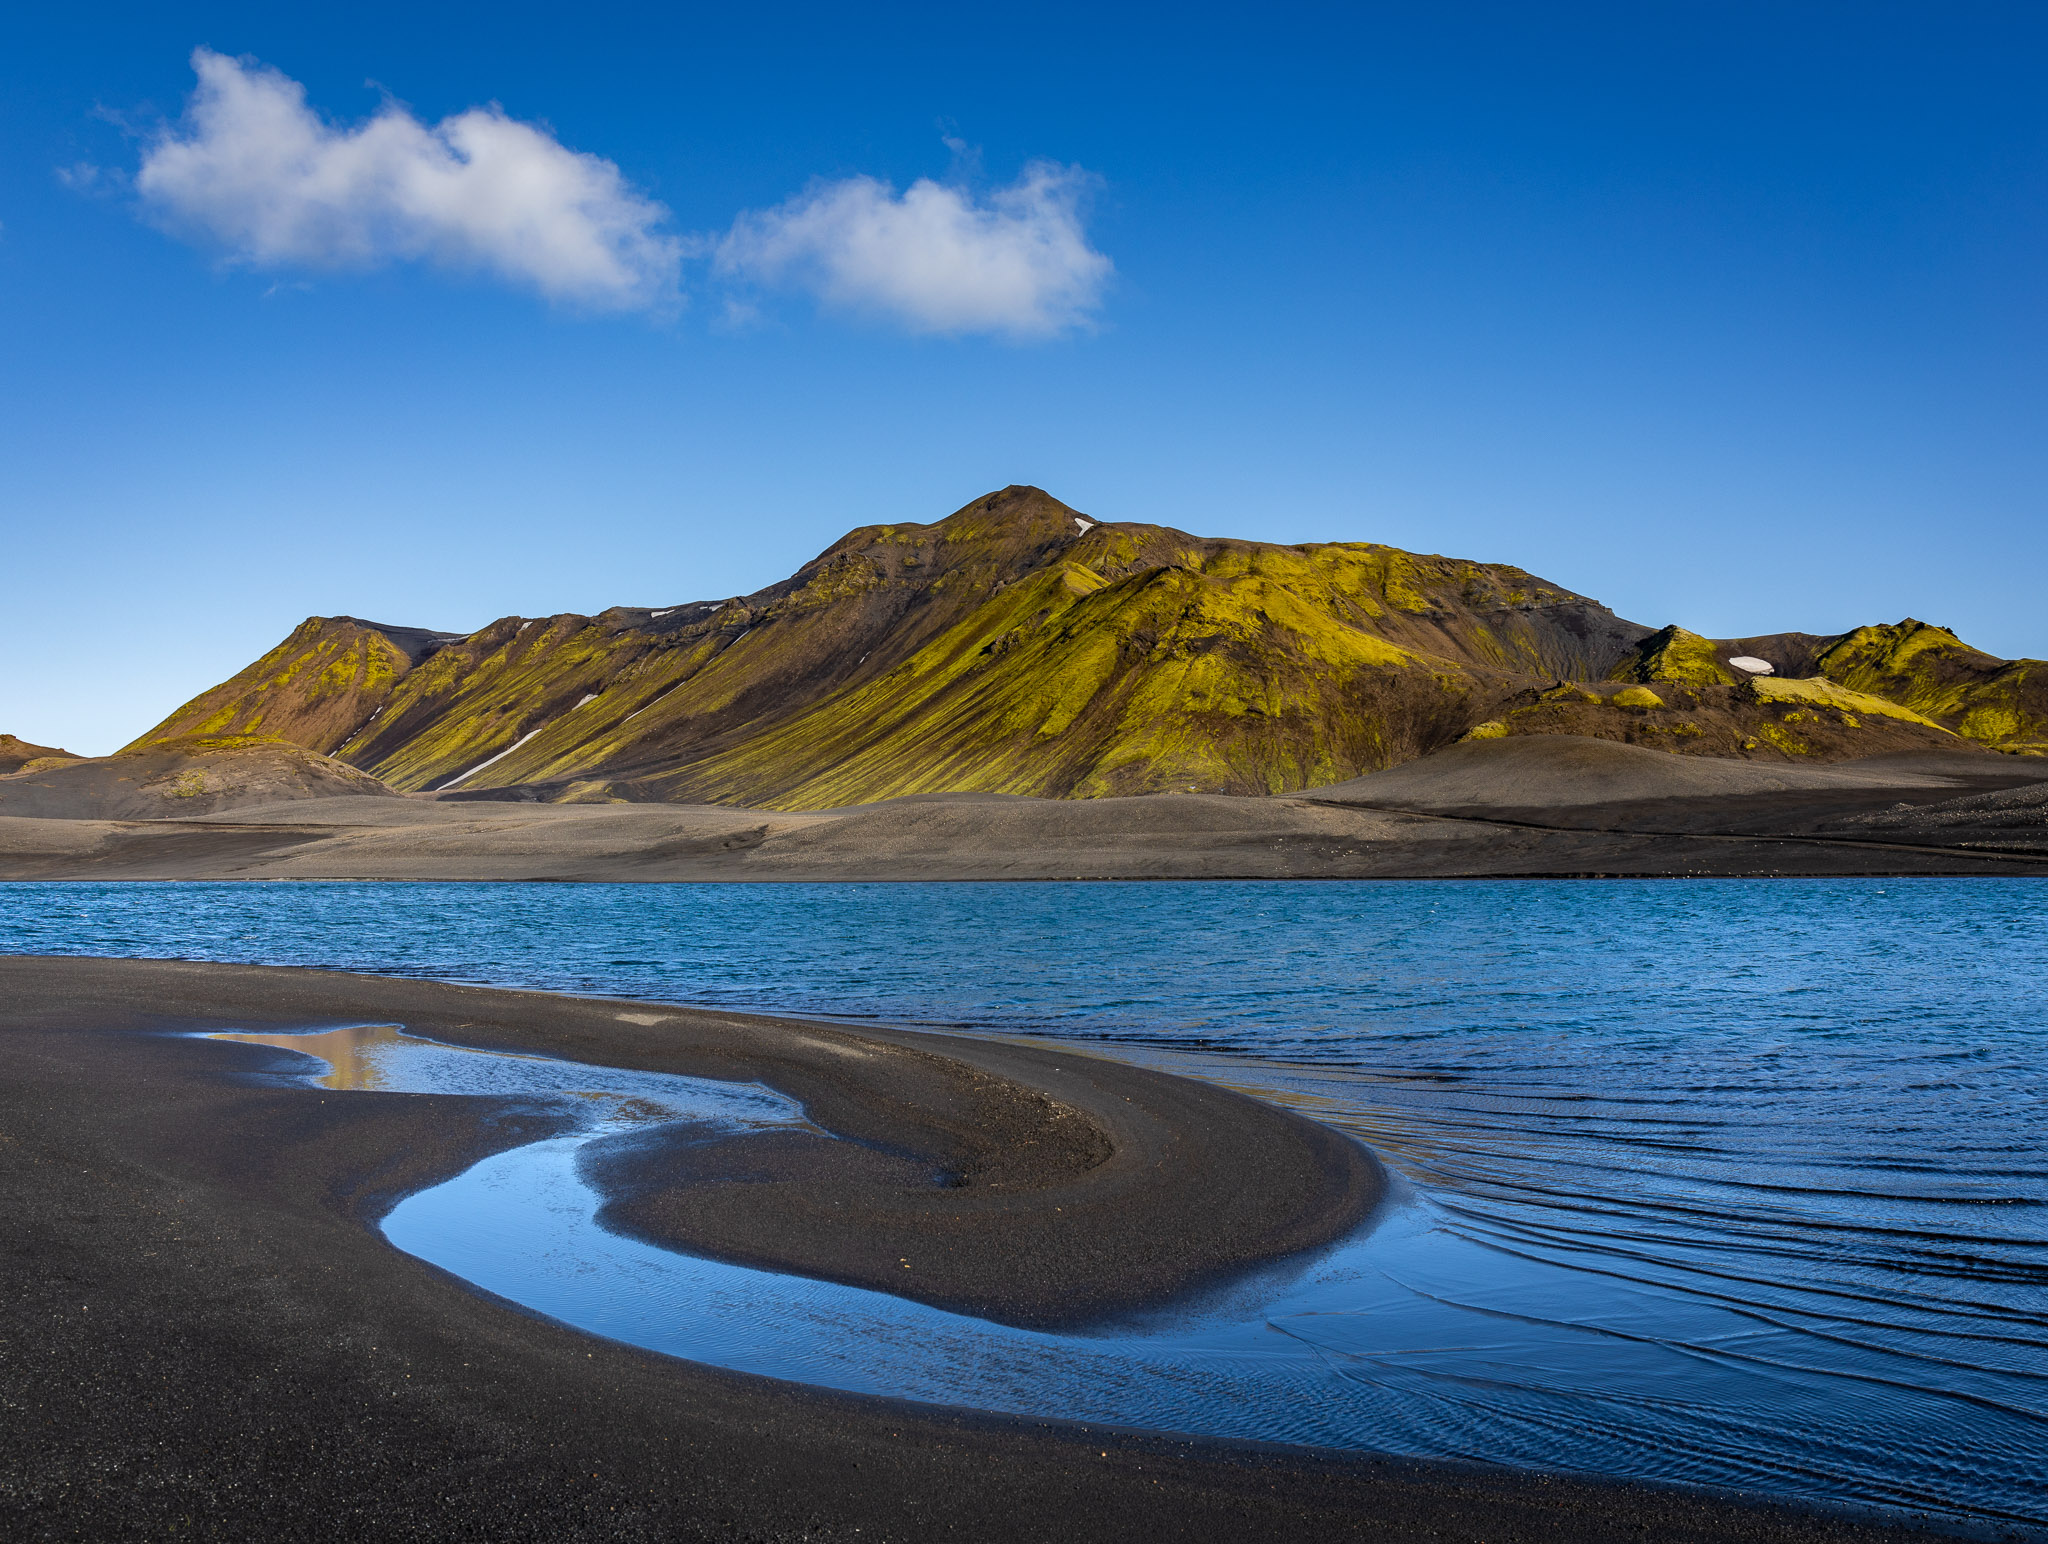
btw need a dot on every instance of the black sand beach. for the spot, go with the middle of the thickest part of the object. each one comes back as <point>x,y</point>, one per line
<point>204,1335</point>
<point>1535,806</point>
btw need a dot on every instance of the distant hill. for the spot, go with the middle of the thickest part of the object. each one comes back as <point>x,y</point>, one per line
<point>180,779</point>
<point>16,753</point>
<point>1019,646</point>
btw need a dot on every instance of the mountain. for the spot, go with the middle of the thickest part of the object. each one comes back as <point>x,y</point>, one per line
<point>179,779</point>
<point>313,689</point>
<point>1913,665</point>
<point>16,753</point>
<point>1019,646</point>
<point>1766,718</point>
<point>1928,668</point>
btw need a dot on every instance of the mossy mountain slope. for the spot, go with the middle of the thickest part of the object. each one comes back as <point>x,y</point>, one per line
<point>1766,719</point>
<point>1912,665</point>
<point>1137,658</point>
<point>315,689</point>
<point>1998,702</point>
<point>1673,654</point>
<point>1016,646</point>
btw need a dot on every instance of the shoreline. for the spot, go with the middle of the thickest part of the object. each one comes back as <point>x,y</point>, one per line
<point>2006,869</point>
<point>1038,1188</point>
<point>1538,814</point>
<point>204,1295</point>
<point>639,849</point>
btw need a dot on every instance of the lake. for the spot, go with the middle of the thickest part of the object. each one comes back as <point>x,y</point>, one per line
<point>1727,1182</point>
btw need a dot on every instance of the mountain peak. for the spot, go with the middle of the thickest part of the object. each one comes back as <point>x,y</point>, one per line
<point>1019,645</point>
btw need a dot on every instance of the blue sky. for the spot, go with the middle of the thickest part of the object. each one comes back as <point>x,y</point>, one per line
<point>1725,314</point>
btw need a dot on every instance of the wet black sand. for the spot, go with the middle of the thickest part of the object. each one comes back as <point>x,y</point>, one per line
<point>201,1334</point>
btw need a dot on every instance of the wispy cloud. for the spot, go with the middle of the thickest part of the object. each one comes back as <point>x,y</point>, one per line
<point>252,167</point>
<point>934,257</point>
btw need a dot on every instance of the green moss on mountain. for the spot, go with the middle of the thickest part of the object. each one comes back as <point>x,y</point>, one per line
<point>1763,719</point>
<point>1067,684</point>
<point>1018,647</point>
<point>1927,668</point>
<point>1817,692</point>
<point>1006,647</point>
<point>1675,655</point>
<point>313,689</point>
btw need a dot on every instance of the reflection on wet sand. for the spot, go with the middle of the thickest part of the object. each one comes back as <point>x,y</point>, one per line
<point>351,1052</point>
<point>383,1058</point>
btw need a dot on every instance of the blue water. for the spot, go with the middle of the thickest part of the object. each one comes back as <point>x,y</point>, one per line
<point>1732,1182</point>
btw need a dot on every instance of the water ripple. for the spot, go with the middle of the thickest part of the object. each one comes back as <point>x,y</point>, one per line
<point>1728,1181</point>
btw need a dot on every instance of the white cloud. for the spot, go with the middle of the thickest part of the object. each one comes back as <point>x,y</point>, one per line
<point>254,168</point>
<point>933,257</point>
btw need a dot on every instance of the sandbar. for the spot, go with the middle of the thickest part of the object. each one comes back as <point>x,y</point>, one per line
<point>204,1333</point>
